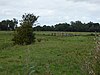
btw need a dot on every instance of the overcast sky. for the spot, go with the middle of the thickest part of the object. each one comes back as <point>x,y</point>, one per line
<point>52,11</point>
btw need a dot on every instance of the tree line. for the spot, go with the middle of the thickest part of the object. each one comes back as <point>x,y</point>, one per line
<point>76,26</point>
<point>6,25</point>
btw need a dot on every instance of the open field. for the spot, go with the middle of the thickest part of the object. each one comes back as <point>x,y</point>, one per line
<point>53,55</point>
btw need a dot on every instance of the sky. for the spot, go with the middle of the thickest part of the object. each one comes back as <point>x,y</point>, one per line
<point>52,12</point>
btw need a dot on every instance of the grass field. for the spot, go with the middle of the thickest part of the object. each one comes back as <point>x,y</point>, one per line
<point>54,55</point>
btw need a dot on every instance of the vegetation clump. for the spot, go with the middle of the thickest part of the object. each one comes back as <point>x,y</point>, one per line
<point>24,34</point>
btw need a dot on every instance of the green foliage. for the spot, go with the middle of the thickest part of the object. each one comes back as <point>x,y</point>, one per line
<point>24,34</point>
<point>76,26</point>
<point>8,24</point>
<point>29,18</point>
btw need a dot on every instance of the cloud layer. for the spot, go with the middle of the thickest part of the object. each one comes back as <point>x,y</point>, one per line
<point>52,12</point>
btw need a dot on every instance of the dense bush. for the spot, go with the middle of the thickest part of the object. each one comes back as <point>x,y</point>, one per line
<point>24,34</point>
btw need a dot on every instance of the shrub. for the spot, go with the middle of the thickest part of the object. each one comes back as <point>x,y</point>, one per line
<point>24,34</point>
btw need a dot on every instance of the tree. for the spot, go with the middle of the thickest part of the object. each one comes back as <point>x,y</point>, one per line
<point>8,24</point>
<point>15,22</point>
<point>4,25</point>
<point>46,28</point>
<point>78,26</point>
<point>24,34</point>
<point>11,25</point>
<point>38,28</point>
<point>93,27</point>
<point>62,27</point>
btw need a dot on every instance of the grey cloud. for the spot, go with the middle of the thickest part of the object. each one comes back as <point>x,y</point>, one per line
<point>89,1</point>
<point>52,12</point>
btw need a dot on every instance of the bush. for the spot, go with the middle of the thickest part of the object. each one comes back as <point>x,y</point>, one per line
<point>24,34</point>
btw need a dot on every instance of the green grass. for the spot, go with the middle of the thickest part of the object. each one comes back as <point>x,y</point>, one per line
<point>53,55</point>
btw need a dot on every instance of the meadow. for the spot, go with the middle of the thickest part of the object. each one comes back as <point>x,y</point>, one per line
<point>49,55</point>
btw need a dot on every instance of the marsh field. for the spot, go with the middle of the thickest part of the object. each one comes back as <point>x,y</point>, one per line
<point>51,54</point>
